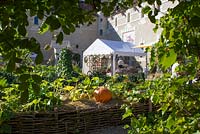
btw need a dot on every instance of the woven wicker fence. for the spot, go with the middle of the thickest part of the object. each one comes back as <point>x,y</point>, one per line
<point>72,122</point>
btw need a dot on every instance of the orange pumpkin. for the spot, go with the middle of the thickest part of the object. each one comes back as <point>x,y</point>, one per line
<point>102,94</point>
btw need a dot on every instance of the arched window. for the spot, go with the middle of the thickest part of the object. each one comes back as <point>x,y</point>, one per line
<point>36,22</point>
<point>101,32</point>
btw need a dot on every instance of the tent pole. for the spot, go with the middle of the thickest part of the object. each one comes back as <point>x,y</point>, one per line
<point>146,70</point>
<point>113,64</point>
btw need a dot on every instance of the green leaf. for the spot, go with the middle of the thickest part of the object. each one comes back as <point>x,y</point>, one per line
<point>155,98</point>
<point>195,21</point>
<point>39,58</point>
<point>47,47</point>
<point>40,14</point>
<point>164,108</point>
<point>170,122</point>
<point>146,10</point>
<point>59,38</point>
<point>196,11</point>
<point>158,2</point>
<point>95,78</point>
<point>24,96</point>
<point>151,17</point>
<point>181,80</point>
<point>36,78</point>
<point>180,120</point>
<point>53,22</point>
<point>32,12</point>
<point>11,65</point>
<point>23,86</point>
<point>24,77</point>
<point>44,28</point>
<point>36,88</point>
<point>22,30</point>
<point>151,1</point>
<point>168,59</point>
<point>72,28</point>
<point>68,88</point>
<point>66,30</point>
<point>86,81</point>
<point>74,79</point>
<point>128,113</point>
<point>171,34</point>
<point>126,126</point>
<point>3,83</point>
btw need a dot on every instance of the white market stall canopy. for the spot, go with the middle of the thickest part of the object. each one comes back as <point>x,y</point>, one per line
<point>109,48</point>
<point>101,46</point>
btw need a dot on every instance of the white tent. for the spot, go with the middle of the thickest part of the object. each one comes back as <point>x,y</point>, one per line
<point>109,47</point>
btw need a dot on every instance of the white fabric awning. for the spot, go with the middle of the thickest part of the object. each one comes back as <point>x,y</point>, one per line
<point>100,46</point>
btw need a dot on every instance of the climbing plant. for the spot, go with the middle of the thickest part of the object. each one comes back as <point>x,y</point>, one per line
<point>64,66</point>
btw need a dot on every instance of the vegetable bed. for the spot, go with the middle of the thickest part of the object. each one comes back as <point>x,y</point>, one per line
<point>73,117</point>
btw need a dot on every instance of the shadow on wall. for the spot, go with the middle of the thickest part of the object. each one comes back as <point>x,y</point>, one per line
<point>110,32</point>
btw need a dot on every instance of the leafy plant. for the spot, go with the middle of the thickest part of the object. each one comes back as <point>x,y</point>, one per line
<point>177,111</point>
<point>8,103</point>
<point>64,66</point>
<point>46,72</point>
<point>85,88</point>
<point>175,99</point>
<point>10,77</point>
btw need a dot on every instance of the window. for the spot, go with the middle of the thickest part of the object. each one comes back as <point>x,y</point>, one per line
<point>128,17</point>
<point>101,19</point>
<point>115,21</point>
<point>107,24</point>
<point>101,32</point>
<point>36,22</point>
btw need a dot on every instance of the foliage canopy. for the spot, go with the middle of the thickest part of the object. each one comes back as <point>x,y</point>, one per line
<point>178,101</point>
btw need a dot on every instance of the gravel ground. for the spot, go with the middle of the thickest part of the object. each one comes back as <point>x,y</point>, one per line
<point>110,130</point>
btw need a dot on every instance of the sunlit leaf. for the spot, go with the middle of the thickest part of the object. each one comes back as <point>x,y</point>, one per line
<point>68,88</point>
<point>128,113</point>
<point>86,81</point>
<point>168,59</point>
<point>44,28</point>
<point>170,122</point>
<point>47,47</point>
<point>164,108</point>
<point>146,10</point>
<point>3,82</point>
<point>74,79</point>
